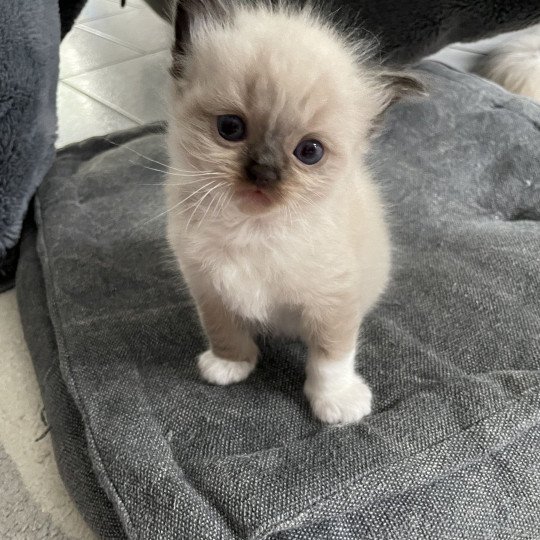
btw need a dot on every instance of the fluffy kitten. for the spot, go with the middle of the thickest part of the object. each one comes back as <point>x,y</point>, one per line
<point>273,217</point>
<point>515,63</point>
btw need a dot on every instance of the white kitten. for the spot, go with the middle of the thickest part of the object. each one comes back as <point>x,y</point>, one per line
<point>515,64</point>
<point>273,216</point>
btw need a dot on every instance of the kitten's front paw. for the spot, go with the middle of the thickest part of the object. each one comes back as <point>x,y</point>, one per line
<point>216,370</point>
<point>345,404</point>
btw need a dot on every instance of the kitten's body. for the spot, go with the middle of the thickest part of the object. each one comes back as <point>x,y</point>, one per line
<point>333,261</point>
<point>260,265</point>
<point>309,254</point>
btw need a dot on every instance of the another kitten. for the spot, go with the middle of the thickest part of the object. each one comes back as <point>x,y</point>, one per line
<point>515,63</point>
<point>273,216</point>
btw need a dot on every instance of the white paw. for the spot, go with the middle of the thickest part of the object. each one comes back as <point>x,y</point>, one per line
<point>216,370</point>
<point>344,404</point>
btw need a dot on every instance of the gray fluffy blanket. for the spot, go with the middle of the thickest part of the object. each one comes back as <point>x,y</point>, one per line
<point>29,41</point>
<point>452,352</point>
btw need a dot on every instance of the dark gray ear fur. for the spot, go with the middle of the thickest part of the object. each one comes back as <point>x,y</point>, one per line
<point>401,84</point>
<point>395,86</point>
<point>187,13</point>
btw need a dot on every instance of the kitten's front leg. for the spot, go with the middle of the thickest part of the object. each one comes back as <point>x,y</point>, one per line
<point>233,353</point>
<point>337,394</point>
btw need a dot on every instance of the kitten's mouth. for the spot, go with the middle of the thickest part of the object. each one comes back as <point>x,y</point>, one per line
<point>253,197</point>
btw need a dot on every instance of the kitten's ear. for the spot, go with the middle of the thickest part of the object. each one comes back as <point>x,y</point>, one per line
<point>187,15</point>
<point>394,86</point>
<point>397,85</point>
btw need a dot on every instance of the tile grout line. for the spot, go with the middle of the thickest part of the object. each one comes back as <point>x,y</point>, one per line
<point>111,38</point>
<point>105,103</point>
<point>104,66</point>
<point>116,41</point>
<point>116,63</point>
<point>100,17</point>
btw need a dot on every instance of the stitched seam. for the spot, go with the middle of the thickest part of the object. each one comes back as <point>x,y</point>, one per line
<point>51,297</point>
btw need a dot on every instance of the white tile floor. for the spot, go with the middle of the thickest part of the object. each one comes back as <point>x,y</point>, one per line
<point>113,67</point>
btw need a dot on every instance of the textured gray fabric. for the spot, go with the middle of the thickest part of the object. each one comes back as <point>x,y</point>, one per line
<point>63,419</point>
<point>452,352</point>
<point>29,41</point>
<point>453,506</point>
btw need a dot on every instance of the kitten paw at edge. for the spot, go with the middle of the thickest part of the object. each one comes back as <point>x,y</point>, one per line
<point>346,404</point>
<point>216,370</point>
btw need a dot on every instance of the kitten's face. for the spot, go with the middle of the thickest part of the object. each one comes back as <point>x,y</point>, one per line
<point>273,107</point>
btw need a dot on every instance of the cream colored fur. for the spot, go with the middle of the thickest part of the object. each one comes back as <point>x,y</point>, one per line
<point>317,260</point>
<point>515,64</point>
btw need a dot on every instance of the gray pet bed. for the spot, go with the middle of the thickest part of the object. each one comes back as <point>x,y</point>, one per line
<point>452,351</point>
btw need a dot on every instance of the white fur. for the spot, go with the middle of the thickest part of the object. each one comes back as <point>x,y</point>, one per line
<point>216,370</point>
<point>259,265</point>
<point>515,64</point>
<point>338,395</point>
<point>317,261</point>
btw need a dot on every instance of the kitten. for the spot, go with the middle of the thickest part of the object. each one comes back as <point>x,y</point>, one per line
<point>274,218</point>
<point>515,63</point>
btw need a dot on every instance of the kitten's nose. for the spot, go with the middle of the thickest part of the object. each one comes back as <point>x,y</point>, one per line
<point>262,175</point>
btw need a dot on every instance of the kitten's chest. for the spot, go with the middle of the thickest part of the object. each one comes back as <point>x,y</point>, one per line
<point>252,279</point>
<point>247,282</point>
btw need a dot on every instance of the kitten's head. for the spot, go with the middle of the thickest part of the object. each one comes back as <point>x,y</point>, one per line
<point>273,103</point>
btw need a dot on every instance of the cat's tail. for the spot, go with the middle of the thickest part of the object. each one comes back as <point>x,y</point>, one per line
<point>515,64</point>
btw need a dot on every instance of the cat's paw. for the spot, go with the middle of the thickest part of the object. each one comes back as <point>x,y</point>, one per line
<point>216,370</point>
<point>346,404</point>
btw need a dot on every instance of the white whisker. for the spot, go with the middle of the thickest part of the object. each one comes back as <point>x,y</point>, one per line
<point>183,173</point>
<point>163,184</point>
<point>148,158</point>
<point>209,206</point>
<point>227,201</point>
<point>198,205</point>
<point>216,209</point>
<point>179,203</point>
<point>200,202</point>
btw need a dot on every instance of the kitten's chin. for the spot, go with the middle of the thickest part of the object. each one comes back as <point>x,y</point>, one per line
<point>253,201</point>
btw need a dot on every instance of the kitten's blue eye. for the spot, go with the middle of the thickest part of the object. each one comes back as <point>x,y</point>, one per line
<point>231,127</point>
<point>309,152</point>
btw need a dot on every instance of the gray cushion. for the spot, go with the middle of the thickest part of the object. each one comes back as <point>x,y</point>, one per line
<point>452,352</point>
